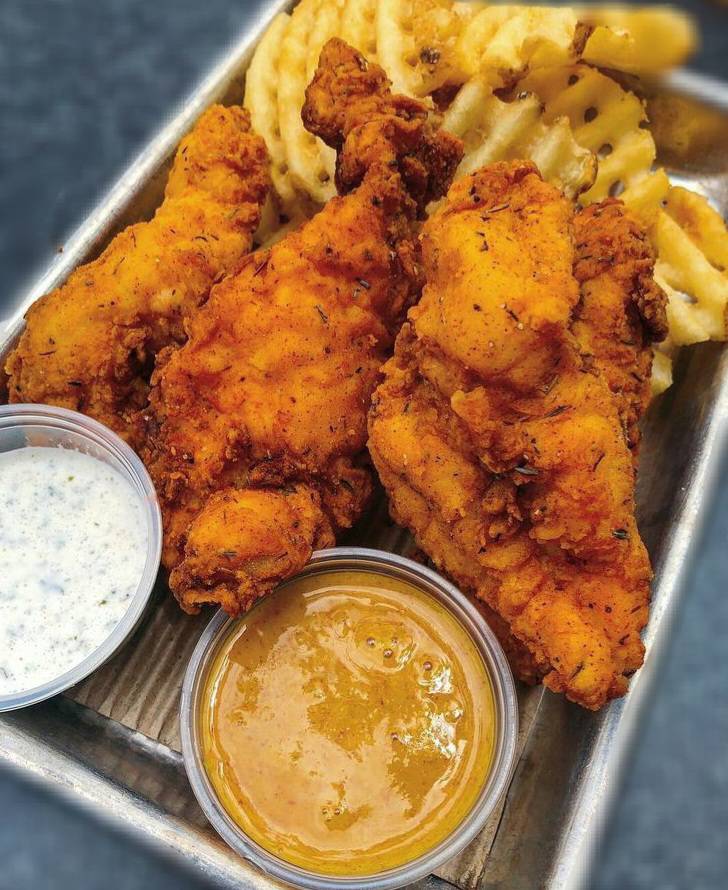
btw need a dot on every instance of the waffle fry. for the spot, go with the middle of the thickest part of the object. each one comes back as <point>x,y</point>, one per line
<point>638,41</point>
<point>604,118</point>
<point>502,42</point>
<point>661,370</point>
<point>697,291</point>
<point>587,133</point>
<point>493,129</point>
<point>310,162</point>
<point>359,27</point>
<point>690,239</point>
<point>327,24</point>
<point>645,196</point>
<point>261,100</point>
<point>412,40</point>
<point>416,43</point>
<point>505,41</point>
<point>701,223</point>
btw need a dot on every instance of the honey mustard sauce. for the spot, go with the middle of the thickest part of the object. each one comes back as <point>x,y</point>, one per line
<point>348,723</point>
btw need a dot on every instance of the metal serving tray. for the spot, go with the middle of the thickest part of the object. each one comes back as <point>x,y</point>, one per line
<point>112,743</point>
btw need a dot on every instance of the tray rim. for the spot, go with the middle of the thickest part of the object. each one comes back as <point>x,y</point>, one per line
<point>615,737</point>
<point>122,810</point>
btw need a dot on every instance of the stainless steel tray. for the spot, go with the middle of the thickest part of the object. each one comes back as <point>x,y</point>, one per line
<point>113,742</point>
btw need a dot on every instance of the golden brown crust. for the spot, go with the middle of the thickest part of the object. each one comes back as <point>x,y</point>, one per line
<point>503,450</point>
<point>257,425</point>
<point>350,106</point>
<point>622,309</point>
<point>90,345</point>
<point>243,540</point>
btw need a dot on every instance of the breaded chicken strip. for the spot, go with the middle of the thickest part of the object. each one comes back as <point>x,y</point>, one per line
<point>90,345</point>
<point>502,447</point>
<point>258,424</point>
<point>622,310</point>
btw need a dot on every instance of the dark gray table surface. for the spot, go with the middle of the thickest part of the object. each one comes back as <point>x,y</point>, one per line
<point>82,84</point>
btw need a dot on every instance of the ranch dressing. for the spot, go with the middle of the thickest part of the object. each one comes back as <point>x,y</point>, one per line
<point>73,543</point>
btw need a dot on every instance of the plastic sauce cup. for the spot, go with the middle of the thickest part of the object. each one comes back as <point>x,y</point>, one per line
<point>23,426</point>
<point>504,755</point>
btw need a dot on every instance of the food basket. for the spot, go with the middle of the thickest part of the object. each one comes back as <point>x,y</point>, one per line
<point>113,742</point>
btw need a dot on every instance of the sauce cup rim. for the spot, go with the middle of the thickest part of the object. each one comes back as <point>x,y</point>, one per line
<point>497,780</point>
<point>127,462</point>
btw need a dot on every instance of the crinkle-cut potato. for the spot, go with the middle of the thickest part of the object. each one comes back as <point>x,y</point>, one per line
<point>661,378</point>
<point>270,218</point>
<point>359,26</point>
<point>704,225</point>
<point>503,42</point>
<point>416,42</point>
<point>605,118</point>
<point>689,238</point>
<point>645,195</point>
<point>697,290</point>
<point>261,101</point>
<point>266,238</point>
<point>412,39</point>
<point>507,40</point>
<point>493,129</point>
<point>310,162</point>
<point>692,256</point>
<point>326,24</point>
<point>302,167</point>
<point>638,41</point>
<point>587,133</point>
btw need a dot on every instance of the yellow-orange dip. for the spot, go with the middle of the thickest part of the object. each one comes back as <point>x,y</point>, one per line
<point>348,723</point>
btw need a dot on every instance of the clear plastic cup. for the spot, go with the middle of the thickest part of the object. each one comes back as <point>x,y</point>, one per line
<point>504,757</point>
<point>23,426</point>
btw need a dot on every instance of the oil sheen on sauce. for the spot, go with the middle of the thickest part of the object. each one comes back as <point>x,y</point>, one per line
<point>73,543</point>
<point>348,723</point>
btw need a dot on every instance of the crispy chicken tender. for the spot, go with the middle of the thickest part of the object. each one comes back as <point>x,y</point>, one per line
<point>90,345</point>
<point>258,424</point>
<point>622,309</point>
<point>498,435</point>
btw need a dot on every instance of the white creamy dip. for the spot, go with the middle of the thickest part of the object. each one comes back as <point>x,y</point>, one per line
<point>73,543</point>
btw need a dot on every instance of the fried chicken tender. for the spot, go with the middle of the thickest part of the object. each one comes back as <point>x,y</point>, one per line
<point>622,309</point>
<point>257,425</point>
<point>499,429</point>
<point>90,345</point>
